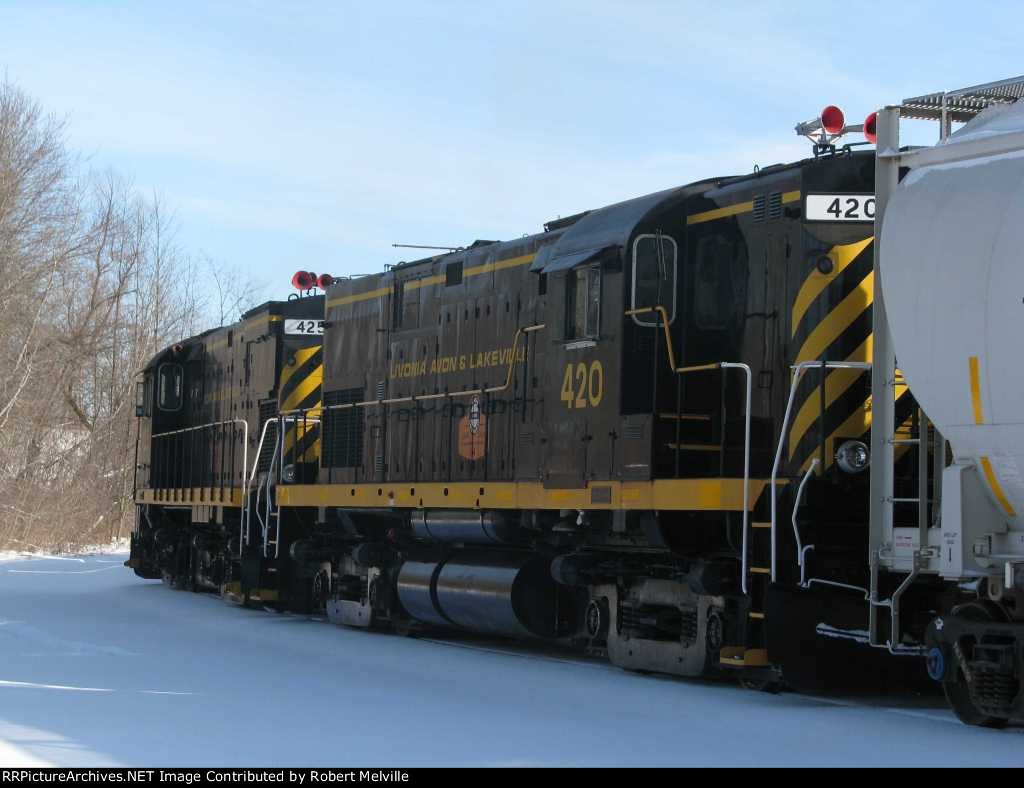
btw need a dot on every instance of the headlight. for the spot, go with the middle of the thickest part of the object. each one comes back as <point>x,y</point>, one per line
<point>288,474</point>
<point>853,456</point>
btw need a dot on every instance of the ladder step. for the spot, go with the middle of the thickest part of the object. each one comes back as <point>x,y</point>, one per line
<point>761,570</point>
<point>757,616</point>
<point>760,525</point>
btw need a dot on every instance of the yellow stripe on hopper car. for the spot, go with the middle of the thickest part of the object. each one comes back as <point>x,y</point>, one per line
<point>974,373</point>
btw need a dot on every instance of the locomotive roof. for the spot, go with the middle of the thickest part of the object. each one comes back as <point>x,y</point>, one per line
<point>567,242</point>
<point>298,307</point>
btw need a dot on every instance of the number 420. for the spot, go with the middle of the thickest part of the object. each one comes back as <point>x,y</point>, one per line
<point>582,385</point>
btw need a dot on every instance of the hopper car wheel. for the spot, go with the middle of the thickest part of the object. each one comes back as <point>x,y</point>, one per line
<point>958,694</point>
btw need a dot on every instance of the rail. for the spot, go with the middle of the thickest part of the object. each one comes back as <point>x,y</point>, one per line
<point>186,471</point>
<point>801,550</point>
<point>247,507</point>
<point>798,373</point>
<point>719,365</point>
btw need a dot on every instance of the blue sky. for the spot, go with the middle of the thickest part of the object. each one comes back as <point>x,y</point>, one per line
<point>290,135</point>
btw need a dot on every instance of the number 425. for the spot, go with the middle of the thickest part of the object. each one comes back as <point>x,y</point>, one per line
<point>582,385</point>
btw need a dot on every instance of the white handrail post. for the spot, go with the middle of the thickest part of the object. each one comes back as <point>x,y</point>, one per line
<point>746,462</point>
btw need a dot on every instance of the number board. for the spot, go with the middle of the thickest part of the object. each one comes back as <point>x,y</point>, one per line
<point>839,208</point>
<point>307,328</point>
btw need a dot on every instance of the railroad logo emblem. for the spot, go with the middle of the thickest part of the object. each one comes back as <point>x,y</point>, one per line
<point>473,432</point>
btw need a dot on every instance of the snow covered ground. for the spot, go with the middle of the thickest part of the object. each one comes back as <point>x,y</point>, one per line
<point>98,667</point>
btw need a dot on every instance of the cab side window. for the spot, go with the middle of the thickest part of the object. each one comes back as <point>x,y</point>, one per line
<point>170,387</point>
<point>583,303</point>
<point>654,277</point>
<point>142,396</point>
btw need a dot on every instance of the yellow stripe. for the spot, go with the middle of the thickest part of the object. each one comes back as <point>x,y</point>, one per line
<point>720,213</point>
<point>258,322</point>
<point>997,488</point>
<point>841,256</point>
<point>979,415</point>
<point>979,418</point>
<point>194,496</point>
<point>836,384</point>
<point>426,281</point>
<point>838,320</point>
<point>301,392</point>
<point>499,265</point>
<point>855,426</point>
<point>734,210</point>
<point>351,299</point>
<point>663,494</point>
<point>302,355</point>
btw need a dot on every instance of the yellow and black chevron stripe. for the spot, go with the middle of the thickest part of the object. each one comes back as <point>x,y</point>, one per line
<point>300,388</point>
<point>830,320</point>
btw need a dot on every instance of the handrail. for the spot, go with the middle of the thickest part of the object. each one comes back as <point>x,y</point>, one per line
<point>801,551</point>
<point>203,427</point>
<point>246,508</point>
<point>798,372</point>
<point>664,323</point>
<point>746,463</point>
<point>245,437</point>
<point>265,520</point>
<point>521,331</point>
<point>663,313</point>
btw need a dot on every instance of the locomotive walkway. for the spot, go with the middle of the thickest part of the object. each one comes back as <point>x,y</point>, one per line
<point>98,667</point>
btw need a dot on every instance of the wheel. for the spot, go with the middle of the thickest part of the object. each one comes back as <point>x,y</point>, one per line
<point>959,698</point>
<point>958,694</point>
<point>771,686</point>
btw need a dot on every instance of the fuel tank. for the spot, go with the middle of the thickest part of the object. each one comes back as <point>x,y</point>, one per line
<point>953,280</point>
<point>510,595</point>
<point>466,526</point>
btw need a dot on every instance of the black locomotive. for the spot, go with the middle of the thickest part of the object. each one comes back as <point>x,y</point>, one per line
<point>570,436</point>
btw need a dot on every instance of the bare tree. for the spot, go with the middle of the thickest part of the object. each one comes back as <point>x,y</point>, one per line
<point>232,291</point>
<point>92,284</point>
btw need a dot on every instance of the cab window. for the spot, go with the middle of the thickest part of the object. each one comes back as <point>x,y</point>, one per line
<point>142,398</point>
<point>583,306</point>
<point>170,387</point>
<point>654,277</point>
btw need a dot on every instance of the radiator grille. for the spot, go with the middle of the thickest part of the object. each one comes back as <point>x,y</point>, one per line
<point>343,430</point>
<point>759,208</point>
<point>268,410</point>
